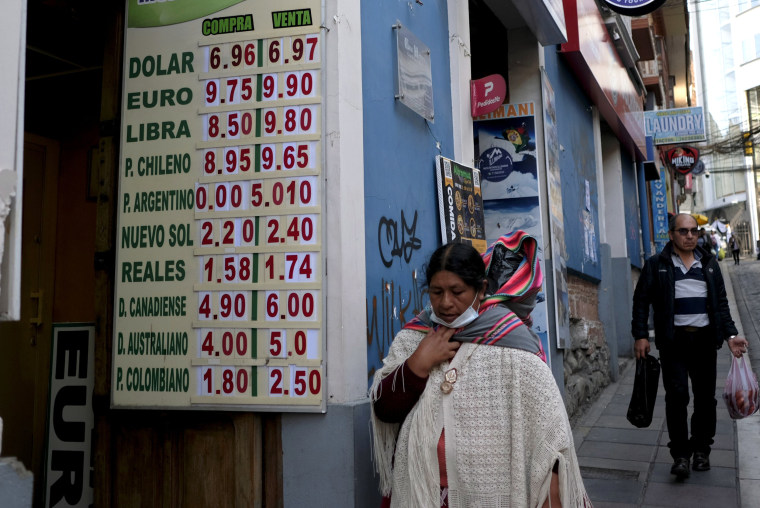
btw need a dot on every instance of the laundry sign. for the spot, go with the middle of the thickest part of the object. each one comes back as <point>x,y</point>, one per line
<point>672,126</point>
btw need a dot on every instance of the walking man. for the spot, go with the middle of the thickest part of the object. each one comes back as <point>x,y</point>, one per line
<point>684,285</point>
<point>735,245</point>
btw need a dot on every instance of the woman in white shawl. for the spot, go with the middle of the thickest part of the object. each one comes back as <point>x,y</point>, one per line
<point>465,412</point>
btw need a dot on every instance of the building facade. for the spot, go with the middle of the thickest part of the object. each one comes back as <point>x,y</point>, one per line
<point>570,126</point>
<point>726,73</point>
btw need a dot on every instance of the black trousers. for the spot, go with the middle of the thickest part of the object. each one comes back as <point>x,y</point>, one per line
<point>690,355</point>
<point>736,256</point>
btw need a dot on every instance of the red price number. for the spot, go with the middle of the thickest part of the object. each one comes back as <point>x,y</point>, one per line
<point>274,51</point>
<point>291,266</point>
<point>295,191</point>
<point>288,156</point>
<point>291,229</point>
<point>291,120</point>
<point>299,84</point>
<point>201,197</point>
<point>229,268</point>
<point>305,381</point>
<point>225,381</point>
<point>212,127</point>
<point>300,266</point>
<point>287,344</point>
<point>209,162</point>
<point>233,232</point>
<point>224,305</point>
<point>299,120</point>
<point>211,86</point>
<point>238,90</point>
<point>278,343</point>
<point>239,123</point>
<point>237,159</point>
<point>302,381</point>
<point>296,155</point>
<point>269,118</point>
<point>230,196</point>
<point>230,343</point>
<point>299,305</point>
<point>269,89</point>
<point>268,159</point>
<point>224,56</point>
<point>304,49</point>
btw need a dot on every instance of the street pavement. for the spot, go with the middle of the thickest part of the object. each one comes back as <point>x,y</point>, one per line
<point>623,466</point>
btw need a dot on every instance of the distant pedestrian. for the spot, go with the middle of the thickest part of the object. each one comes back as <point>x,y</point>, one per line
<point>701,239</point>
<point>734,245</point>
<point>715,239</point>
<point>685,287</point>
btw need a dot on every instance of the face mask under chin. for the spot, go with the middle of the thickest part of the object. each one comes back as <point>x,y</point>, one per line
<point>464,319</point>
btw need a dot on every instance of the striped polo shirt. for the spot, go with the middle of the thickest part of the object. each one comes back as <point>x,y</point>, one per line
<point>690,306</point>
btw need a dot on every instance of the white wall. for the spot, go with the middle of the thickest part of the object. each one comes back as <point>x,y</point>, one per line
<point>460,69</point>
<point>12,47</point>
<point>345,284</point>
<point>748,77</point>
<point>614,212</point>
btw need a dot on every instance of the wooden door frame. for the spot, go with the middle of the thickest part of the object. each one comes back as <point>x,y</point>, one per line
<point>46,287</point>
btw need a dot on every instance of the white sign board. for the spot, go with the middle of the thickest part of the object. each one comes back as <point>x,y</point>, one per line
<point>219,300</point>
<point>71,421</point>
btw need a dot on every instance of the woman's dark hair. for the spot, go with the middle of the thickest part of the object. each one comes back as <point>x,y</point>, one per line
<point>460,259</point>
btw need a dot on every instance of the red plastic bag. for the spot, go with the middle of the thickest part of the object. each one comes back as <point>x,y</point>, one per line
<point>741,391</point>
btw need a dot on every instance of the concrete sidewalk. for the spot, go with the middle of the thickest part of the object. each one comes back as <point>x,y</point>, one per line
<point>624,466</point>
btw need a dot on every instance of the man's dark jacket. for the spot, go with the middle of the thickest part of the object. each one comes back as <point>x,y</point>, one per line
<point>656,286</point>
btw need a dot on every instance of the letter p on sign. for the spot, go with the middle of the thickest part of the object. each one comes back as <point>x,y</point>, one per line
<point>487,94</point>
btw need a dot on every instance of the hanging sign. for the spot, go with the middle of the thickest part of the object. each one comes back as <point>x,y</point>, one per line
<point>633,7</point>
<point>672,126</point>
<point>460,204</point>
<point>683,158</point>
<point>487,94</point>
<point>219,296</point>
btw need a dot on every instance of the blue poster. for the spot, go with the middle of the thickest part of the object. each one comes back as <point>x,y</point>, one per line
<point>660,211</point>
<point>505,146</point>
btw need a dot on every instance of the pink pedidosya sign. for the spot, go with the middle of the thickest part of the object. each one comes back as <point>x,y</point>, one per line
<point>487,94</point>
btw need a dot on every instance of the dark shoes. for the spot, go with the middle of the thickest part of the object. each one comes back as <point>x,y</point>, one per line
<point>701,462</point>
<point>680,468</point>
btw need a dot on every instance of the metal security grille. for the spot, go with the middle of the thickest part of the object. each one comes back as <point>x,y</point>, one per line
<point>742,232</point>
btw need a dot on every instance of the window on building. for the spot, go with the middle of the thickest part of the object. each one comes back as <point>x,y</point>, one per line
<point>747,4</point>
<point>727,47</point>
<point>751,48</point>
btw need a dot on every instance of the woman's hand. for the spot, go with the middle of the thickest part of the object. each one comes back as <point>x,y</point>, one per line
<point>434,349</point>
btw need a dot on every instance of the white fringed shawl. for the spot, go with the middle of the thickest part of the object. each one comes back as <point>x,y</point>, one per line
<point>505,424</point>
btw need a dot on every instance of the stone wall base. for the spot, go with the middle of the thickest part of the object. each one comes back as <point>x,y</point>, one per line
<point>587,360</point>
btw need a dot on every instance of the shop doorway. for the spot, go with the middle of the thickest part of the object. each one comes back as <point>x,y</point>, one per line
<point>25,344</point>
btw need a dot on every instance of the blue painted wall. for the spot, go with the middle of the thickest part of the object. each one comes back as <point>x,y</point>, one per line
<point>631,207</point>
<point>577,166</point>
<point>401,202</point>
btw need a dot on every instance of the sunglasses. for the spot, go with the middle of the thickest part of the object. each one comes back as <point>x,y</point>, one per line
<point>686,231</point>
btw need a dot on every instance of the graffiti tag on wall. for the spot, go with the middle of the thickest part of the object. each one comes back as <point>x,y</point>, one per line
<point>388,311</point>
<point>396,239</point>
